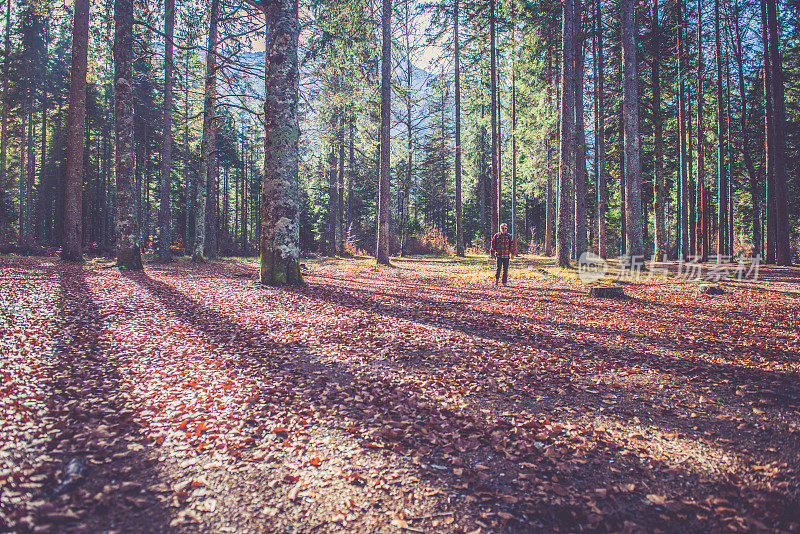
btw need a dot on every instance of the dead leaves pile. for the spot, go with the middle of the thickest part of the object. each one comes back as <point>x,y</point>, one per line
<point>188,398</point>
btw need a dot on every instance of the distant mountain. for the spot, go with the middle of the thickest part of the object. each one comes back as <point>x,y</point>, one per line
<point>421,81</point>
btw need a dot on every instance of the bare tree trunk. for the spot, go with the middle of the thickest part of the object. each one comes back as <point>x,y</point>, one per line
<point>164,242</point>
<point>580,143</point>
<point>567,148</point>
<point>748,159</point>
<point>769,135</point>
<point>457,59</point>
<point>683,223</point>
<point>499,147</point>
<point>691,185</point>
<point>73,181</point>
<point>333,202</point>
<point>660,197</point>
<point>212,198</point>
<point>246,167</point>
<point>4,126</point>
<point>29,192</point>
<point>580,146</point>
<point>208,143</point>
<point>783,251</point>
<point>549,208</point>
<point>702,202</point>
<point>514,231</point>
<point>599,133</point>
<point>191,189</point>
<point>42,200</point>
<point>351,175</point>
<point>128,248</point>
<point>722,178</point>
<point>630,106</point>
<point>493,90</point>
<point>340,186</point>
<point>382,252</point>
<point>729,148</point>
<point>482,172</point>
<point>623,219</point>
<point>406,196</point>
<point>22,167</point>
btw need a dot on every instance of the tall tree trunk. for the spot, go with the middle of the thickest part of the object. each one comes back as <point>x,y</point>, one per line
<point>208,144</point>
<point>4,126</point>
<point>480,165</point>
<point>29,192</point>
<point>660,197</point>
<point>246,167</point>
<point>164,242</point>
<point>630,104</point>
<point>567,149</point>
<point>351,176</point>
<point>769,135</point>
<point>22,167</point>
<point>340,186</point>
<point>71,245</point>
<point>702,229</point>
<point>146,227</point>
<point>212,196</point>
<point>457,59</point>
<point>280,192</point>
<point>729,149</point>
<point>191,189</point>
<point>599,132</point>
<point>748,159</point>
<point>623,219</point>
<point>42,201</point>
<point>382,252</point>
<point>499,148</point>
<point>549,210</point>
<point>514,230</point>
<point>493,90</point>
<point>580,144</point>
<point>406,196</point>
<point>333,200</point>
<point>691,182</point>
<point>683,223</point>
<point>722,178</point>
<point>128,248</point>
<point>783,251</point>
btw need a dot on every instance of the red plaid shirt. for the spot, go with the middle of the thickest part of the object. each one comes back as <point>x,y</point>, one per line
<point>503,246</point>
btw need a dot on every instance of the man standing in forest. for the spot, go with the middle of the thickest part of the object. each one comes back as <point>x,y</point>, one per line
<point>503,248</point>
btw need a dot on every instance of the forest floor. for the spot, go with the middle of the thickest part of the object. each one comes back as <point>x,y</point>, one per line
<point>416,398</point>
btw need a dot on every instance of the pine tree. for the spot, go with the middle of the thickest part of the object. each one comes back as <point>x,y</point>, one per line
<point>71,248</point>
<point>128,246</point>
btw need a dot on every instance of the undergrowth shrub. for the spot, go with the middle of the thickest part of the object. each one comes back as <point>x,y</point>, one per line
<point>430,241</point>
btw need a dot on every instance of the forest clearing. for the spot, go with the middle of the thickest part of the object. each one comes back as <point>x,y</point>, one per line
<point>246,259</point>
<point>415,398</point>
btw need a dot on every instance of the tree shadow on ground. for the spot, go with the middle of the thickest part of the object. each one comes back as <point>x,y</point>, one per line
<point>502,468</point>
<point>103,469</point>
<point>459,315</point>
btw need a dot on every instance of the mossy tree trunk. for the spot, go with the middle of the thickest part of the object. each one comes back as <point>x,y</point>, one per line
<point>128,248</point>
<point>280,195</point>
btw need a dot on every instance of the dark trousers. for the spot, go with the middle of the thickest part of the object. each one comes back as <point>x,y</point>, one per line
<point>502,263</point>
